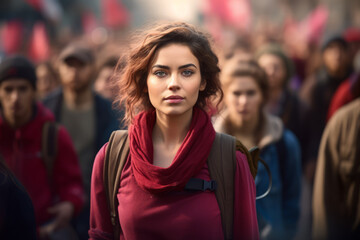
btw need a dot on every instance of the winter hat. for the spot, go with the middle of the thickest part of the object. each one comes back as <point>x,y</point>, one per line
<point>17,67</point>
<point>334,39</point>
<point>275,49</point>
<point>352,35</point>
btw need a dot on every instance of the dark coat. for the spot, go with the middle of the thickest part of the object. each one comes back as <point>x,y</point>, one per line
<point>106,119</point>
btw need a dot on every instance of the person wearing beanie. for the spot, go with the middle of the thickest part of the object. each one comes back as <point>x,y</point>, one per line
<point>58,195</point>
<point>87,116</point>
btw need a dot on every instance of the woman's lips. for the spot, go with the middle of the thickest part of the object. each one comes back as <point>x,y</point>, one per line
<point>173,99</point>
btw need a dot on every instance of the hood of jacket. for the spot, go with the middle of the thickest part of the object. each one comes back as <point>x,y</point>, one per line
<point>273,129</point>
<point>30,129</point>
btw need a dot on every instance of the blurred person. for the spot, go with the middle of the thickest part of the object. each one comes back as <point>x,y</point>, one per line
<point>282,101</point>
<point>317,92</point>
<point>345,93</point>
<point>167,83</point>
<point>336,202</point>
<point>245,89</point>
<point>104,83</point>
<point>352,37</point>
<point>87,116</point>
<point>57,195</point>
<point>47,79</point>
<point>17,217</point>
<point>239,48</point>
<point>350,88</point>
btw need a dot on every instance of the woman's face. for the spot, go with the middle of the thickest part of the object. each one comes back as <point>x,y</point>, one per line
<point>335,57</point>
<point>243,99</point>
<point>274,68</point>
<point>45,81</point>
<point>174,80</point>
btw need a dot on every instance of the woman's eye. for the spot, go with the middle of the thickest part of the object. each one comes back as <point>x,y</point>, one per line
<point>237,93</point>
<point>160,73</point>
<point>187,73</point>
<point>250,93</point>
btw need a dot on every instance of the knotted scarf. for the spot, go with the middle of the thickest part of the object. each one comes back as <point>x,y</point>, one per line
<point>189,159</point>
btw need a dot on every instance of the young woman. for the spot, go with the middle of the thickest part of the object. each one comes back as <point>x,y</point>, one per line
<point>245,94</point>
<point>166,87</point>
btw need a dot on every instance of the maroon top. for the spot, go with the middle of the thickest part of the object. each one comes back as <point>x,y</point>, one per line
<point>172,215</point>
<point>21,149</point>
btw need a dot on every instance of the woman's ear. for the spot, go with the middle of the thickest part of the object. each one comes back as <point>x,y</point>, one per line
<point>203,85</point>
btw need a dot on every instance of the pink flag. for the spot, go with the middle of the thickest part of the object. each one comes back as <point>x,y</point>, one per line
<point>89,22</point>
<point>315,23</point>
<point>39,49</point>
<point>114,13</point>
<point>236,13</point>
<point>11,37</point>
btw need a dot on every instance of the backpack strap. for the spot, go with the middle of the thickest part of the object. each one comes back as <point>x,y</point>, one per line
<point>49,146</point>
<point>116,155</point>
<point>222,165</point>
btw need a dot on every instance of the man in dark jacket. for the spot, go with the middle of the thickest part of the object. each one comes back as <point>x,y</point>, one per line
<point>88,117</point>
<point>58,194</point>
<point>317,92</point>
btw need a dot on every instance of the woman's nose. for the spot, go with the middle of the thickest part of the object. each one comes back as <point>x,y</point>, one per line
<point>174,82</point>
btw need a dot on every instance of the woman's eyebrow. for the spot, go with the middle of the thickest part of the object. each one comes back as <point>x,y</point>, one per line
<point>188,65</point>
<point>160,66</point>
<point>167,67</point>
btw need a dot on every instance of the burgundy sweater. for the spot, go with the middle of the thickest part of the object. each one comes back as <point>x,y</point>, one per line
<point>174,215</point>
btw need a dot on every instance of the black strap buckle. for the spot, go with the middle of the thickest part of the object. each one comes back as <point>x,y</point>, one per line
<point>196,184</point>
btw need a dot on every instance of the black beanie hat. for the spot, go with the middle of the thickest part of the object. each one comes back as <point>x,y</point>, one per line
<point>17,67</point>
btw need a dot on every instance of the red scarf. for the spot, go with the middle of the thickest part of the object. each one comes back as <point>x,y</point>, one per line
<point>189,159</point>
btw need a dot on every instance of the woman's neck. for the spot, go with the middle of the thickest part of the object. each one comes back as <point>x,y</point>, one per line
<point>171,130</point>
<point>246,132</point>
<point>275,95</point>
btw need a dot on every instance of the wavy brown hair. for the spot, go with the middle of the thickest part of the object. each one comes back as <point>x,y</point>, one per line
<point>132,80</point>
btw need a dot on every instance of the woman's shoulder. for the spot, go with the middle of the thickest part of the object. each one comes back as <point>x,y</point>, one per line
<point>100,156</point>
<point>290,139</point>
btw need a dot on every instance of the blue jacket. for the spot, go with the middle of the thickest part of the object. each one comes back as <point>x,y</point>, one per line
<point>279,212</point>
<point>107,120</point>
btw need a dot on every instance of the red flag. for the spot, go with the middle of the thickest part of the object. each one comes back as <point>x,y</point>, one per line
<point>114,13</point>
<point>39,48</point>
<point>11,37</point>
<point>236,13</point>
<point>37,4</point>
<point>89,22</point>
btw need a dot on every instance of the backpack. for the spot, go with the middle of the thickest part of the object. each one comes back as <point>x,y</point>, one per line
<point>224,147</point>
<point>49,147</point>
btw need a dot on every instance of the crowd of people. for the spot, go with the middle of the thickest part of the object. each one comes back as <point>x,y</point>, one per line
<point>174,92</point>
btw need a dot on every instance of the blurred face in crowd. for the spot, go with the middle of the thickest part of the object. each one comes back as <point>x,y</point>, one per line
<point>243,99</point>
<point>17,97</point>
<point>75,74</point>
<point>174,80</point>
<point>274,68</point>
<point>103,84</point>
<point>335,58</point>
<point>46,82</point>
